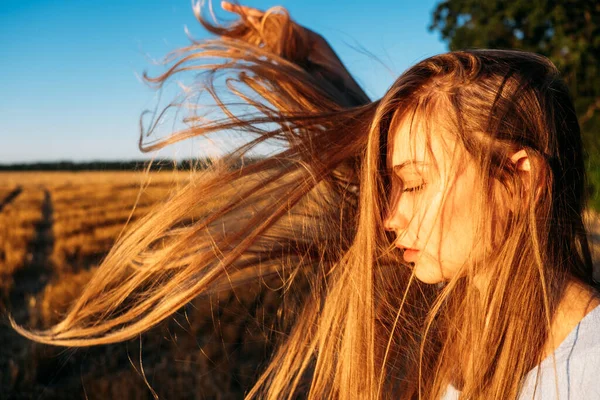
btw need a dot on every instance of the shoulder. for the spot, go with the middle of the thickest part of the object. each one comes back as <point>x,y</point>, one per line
<point>577,377</point>
<point>577,360</point>
<point>577,373</point>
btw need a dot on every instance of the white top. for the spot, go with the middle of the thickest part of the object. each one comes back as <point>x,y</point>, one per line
<point>577,367</point>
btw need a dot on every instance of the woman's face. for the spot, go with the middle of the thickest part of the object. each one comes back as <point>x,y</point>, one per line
<point>434,214</point>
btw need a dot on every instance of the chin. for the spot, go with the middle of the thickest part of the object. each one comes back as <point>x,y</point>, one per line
<point>428,274</point>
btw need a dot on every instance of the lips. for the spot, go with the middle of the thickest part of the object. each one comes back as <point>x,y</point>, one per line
<point>410,255</point>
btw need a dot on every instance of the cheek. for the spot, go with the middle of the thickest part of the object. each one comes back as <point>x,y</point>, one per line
<point>446,229</point>
<point>458,238</point>
<point>458,227</point>
<point>452,229</point>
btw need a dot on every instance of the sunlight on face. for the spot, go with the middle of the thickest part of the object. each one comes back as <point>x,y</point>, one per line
<point>434,213</point>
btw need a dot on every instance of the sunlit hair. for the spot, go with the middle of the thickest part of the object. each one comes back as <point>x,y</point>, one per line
<point>368,329</point>
<point>497,102</point>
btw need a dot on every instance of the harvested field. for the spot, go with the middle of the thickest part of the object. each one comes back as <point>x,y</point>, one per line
<point>55,228</point>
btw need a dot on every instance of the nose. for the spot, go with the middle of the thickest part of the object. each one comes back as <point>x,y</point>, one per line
<point>396,219</point>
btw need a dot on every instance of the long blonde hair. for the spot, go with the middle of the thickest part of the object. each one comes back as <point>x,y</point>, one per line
<point>367,329</point>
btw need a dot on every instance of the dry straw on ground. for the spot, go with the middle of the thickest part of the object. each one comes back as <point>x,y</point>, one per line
<point>54,230</point>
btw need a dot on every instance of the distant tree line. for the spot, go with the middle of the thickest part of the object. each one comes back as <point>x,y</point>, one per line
<point>131,165</point>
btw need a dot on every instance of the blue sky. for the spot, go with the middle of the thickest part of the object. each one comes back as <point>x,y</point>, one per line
<point>69,76</point>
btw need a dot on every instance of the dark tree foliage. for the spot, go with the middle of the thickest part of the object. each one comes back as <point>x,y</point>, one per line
<point>566,31</point>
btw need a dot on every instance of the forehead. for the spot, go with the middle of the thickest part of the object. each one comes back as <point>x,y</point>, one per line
<point>414,138</point>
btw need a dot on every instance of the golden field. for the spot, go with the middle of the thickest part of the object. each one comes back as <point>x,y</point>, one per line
<point>55,228</point>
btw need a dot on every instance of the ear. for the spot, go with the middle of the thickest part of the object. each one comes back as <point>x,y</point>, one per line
<point>521,160</point>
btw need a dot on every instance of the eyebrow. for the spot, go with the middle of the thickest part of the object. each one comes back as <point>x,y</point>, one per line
<point>398,167</point>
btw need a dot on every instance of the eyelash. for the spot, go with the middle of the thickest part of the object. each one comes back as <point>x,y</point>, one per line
<point>414,189</point>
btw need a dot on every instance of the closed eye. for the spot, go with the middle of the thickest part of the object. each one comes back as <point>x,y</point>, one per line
<point>414,188</point>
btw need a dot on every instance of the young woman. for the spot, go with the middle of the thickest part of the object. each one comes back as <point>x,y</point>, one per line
<point>467,175</point>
